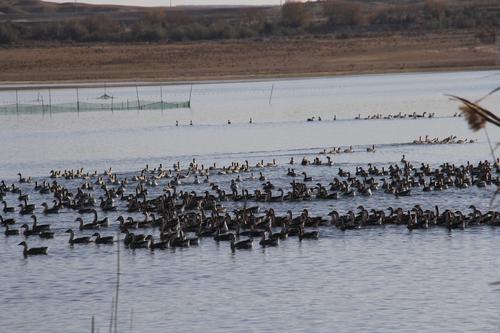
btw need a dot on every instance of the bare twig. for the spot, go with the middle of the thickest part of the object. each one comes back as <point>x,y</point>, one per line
<point>494,196</point>
<point>488,94</point>
<point>112,314</point>
<point>490,145</point>
<point>476,115</point>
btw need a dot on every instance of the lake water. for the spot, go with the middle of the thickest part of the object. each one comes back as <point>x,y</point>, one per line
<point>371,280</point>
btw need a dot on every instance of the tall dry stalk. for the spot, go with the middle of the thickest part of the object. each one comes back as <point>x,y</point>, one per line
<point>477,117</point>
<point>112,314</point>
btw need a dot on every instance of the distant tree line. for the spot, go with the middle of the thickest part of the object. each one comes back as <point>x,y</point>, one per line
<point>341,17</point>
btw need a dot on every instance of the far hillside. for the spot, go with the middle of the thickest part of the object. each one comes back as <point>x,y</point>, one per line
<point>34,8</point>
<point>34,21</point>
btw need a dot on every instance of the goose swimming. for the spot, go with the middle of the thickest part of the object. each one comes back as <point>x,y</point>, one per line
<point>269,242</point>
<point>241,245</point>
<point>7,209</point>
<point>81,240</point>
<point>103,240</point>
<point>88,226</point>
<point>10,232</point>
<point>33,251</point>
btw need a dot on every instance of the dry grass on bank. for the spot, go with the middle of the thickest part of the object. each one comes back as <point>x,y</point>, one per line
<point>246,59</point>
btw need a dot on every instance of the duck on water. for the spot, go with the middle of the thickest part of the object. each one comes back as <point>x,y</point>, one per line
<point>33,251</point>
<point>180,212</point>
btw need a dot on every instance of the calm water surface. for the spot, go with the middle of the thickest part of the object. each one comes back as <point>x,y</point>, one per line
<point>372,280</point>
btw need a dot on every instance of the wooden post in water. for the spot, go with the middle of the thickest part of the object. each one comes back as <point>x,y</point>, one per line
<point>190,95</point>
<point>77,100</point>
<point>138,101</point>
<point>92,327</point>
<point>271,95</point>
<point>161,98</point>
<point>43,109</point>
<point>17,102</point>
<point>50,101</point>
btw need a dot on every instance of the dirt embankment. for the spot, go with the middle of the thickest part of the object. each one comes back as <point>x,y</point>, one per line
<point>246,59</point>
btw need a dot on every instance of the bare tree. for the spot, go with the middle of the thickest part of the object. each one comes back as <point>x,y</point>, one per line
<point>295,15</point>
<point>436,8</point>
<point>340,12</point>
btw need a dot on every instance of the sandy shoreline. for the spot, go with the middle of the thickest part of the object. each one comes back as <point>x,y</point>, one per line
<point>215,62</point>
<point>34,85</point>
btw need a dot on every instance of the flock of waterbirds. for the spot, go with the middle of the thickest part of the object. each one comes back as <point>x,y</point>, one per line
<point>376,116</point>
<point>449,140</point>
<point>181,217</point>
<point>452,139</point>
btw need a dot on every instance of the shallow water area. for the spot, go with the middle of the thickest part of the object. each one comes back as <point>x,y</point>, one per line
<point>371,280</point>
